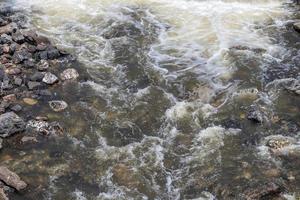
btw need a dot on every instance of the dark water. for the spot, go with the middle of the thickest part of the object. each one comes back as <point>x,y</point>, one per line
<point>160,110</point>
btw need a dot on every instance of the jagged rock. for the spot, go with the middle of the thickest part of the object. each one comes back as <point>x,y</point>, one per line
<point>10,123</point>
<point>50,78</point>
<point>69,74</point>
<point>33,85</point>
<point>58,106</point>
<point>11,179</point>
<point>43,65</point>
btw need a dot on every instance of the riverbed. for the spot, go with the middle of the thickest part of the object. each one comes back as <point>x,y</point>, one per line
<point>178,99</point>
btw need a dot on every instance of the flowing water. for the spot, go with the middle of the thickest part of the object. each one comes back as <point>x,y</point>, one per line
<point>161,110</point>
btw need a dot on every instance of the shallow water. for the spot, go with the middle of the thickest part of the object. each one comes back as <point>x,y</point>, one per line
<point>161,110</point>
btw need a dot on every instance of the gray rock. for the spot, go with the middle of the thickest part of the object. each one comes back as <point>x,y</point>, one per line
<point>11,179</point>
<point>255,115</point>
<point>296,26</point>
<point>37,76</point>
<point>16,108</point>
<point>69,74</point>
<point>5,85</point>
<point>58,106</point>
<point>10,123</point>
<point>18,37</point>
<point>33,85</point>
<point>43,65</point>
<point>50,78</point>
<point>18,81</point>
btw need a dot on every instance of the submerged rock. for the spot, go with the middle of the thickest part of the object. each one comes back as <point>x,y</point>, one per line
<point>50,78</point>
<point>11,179</point>
<point>58,106</point>
<point>11,123</point>
<point>45,128</point>
<point>69,74</point>
<point>255,115</point>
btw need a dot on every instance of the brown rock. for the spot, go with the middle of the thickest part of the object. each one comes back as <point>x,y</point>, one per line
<point>10,98</point>
<point>13,71</point>
<point>3,195</point>
<point>11,179</point>
<point>8,29</point>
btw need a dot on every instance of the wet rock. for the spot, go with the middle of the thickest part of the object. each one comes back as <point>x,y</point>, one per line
<point>3,195</point>
<point>16,108</point>
<point>10,98</point>
<point>43,55</point>
<point>37,76</point>
<point>255,115</point>
<point>53,53</point>
<point>10,123</point>
<point>5,39</point>
<point>43,92</point>
<point>50,78</point>
<point>267,191</point>
<point>20,56</point>
<point>29,63</point>
<point>18,81</point>
<point>18,37</point>
<point>13,71</point>
<point>33,85</point>
<point>69,74</point>
<point>26,139</point>
<point>8,29</point>
<point>58,106</point>
<point>45,128</point>
<point>296,26</point>
<point>11,179</point>
<point>5,85</point>
<point>30,101</point>
<point>43,65</point>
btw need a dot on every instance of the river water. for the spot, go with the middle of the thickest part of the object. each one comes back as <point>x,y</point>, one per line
<point>162,110</point>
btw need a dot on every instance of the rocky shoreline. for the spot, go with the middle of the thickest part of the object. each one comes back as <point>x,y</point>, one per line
<point>27,74</point>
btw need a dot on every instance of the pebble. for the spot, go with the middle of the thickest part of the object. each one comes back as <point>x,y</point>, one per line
<point>43,65</point>
<point>50,78</point>
<point>58,106</point>
<point>30,101</point>
<point>33,85</point>
<point>69,74</point>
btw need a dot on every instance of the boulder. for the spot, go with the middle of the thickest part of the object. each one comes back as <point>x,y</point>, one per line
<point>11,179</point>
<point>11,123</point>
<point>69,74</point>
<point>50,78</point>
